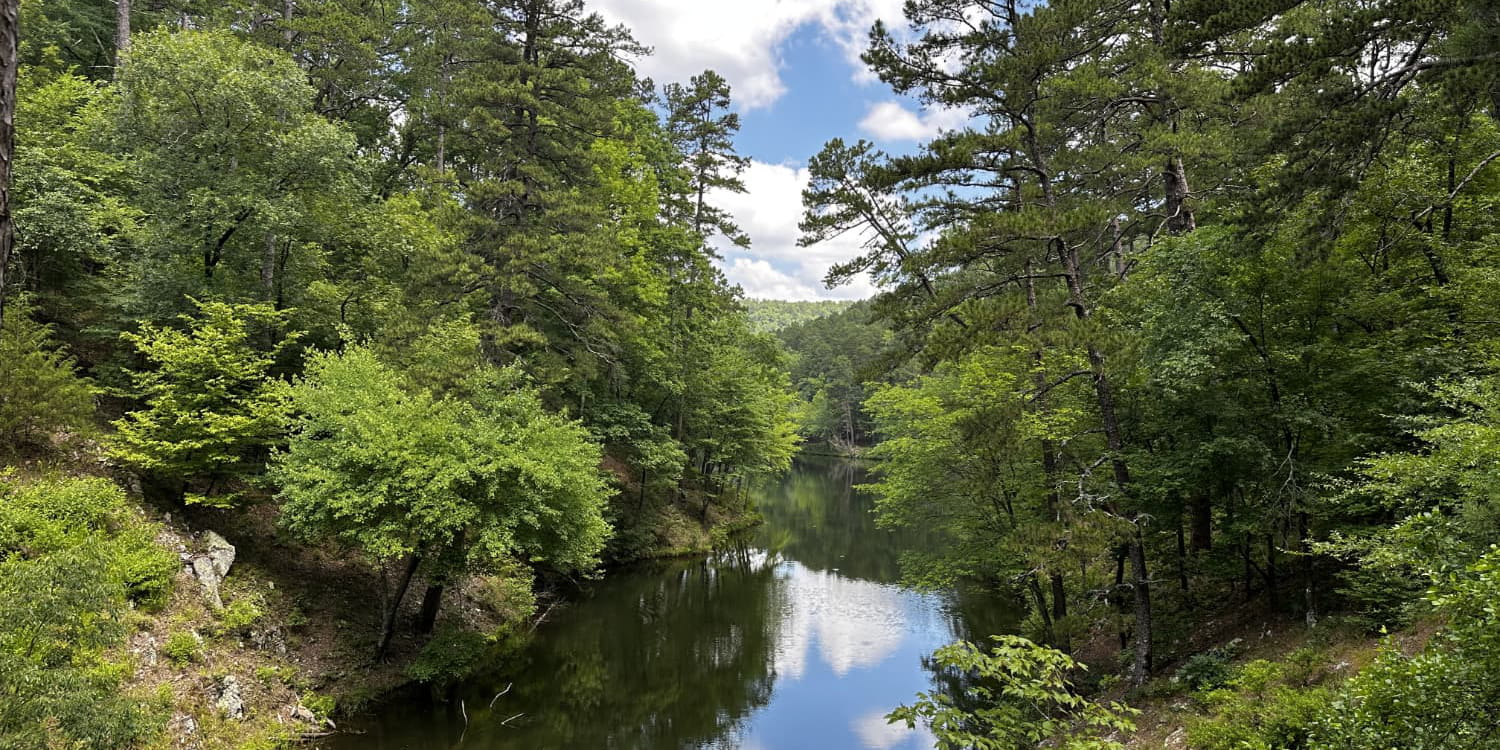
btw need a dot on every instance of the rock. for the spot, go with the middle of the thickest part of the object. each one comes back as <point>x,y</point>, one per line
<point>1177,738</point>
<point>270,639</point>
<point>229,700</point>
<point>220,552</point>
<point>183,730</point>
<point>212,566</point>
<point>143,645</point>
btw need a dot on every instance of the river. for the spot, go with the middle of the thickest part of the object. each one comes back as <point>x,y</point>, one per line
<point>803,638</point>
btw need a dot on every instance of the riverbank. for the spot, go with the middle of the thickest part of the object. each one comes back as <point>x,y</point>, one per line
<point>261,642</point>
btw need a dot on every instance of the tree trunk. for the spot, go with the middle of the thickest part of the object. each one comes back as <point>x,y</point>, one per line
<point>1116,598</point>
<point>1140,667</point>
<point>1272,595</point>
<point>1042,610</point>
<point>1180,219</point>
<point>268,267</point>
<point>122,31</point>
<point>9,63</point>
<point>1182,556</point>
<point>388,629</point>
<point>1060,611</point>
<point>432,600</point>
<point>1201,510</point>
<point>1309,585</point>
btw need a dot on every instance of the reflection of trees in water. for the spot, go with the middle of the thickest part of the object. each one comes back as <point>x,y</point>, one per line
<point>673,660</point>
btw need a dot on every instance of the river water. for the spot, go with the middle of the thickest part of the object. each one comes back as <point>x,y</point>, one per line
<point>803,638</point>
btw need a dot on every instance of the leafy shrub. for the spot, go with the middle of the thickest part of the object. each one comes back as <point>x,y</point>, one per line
<point>70,556</point>
<point>211,406</point>
<point>42,394</point>
<point>451,655</point>
<point>182,648</point>
<point>1208,670</point>
<point>1259,709</point>
<point>1016,694</point>
<point>322,706</point>
<point>508,593</point>
<point>51,515</point>
<point>241,613</point>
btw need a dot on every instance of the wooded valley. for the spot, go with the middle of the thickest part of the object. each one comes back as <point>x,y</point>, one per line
<point>1190,327</point>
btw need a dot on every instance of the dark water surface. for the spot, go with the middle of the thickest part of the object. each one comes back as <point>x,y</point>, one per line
<point>803,639</point>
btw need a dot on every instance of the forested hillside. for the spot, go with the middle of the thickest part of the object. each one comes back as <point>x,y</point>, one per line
<point>421,288</point>
<point>1204,308</point>
<point>833,358</point>
<point>770,315</point>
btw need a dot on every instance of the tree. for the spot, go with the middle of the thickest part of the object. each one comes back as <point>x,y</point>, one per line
<point>1024,700</point>
<point>43,393</point>
<point>699,125</point>
<point>227,152</point>
<point>398,474</point>
<point>212,407</point>
<point>10,65</point>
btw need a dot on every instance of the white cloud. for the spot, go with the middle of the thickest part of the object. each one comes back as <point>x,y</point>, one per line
<point>892,121</point>
<point>876,733</point>
<point>769,211</point>
<point>740,38</point>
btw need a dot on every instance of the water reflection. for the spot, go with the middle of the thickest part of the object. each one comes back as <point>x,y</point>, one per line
<point>803,638</point>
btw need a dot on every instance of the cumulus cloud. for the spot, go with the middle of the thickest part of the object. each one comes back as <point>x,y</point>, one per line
<point>740,39</point>
<point>893,121</point>
<point>777,268</point>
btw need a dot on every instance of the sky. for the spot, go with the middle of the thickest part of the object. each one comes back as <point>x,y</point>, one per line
<point>797,81</point>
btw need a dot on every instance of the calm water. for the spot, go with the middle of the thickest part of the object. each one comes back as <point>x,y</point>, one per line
<point>802,639</point>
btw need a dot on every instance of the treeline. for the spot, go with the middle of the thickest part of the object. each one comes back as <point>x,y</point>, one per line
<point>433,276</point>
<point>1207,314</point>
<point>772,315</point>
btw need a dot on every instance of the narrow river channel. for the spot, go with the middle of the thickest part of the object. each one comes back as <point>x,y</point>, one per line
<point>803,639</point>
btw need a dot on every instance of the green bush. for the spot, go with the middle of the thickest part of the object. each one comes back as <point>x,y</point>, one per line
<point>1208,670</point>
<point>1259,709</point>
<point>322,706</point>
<point>241,613</point>
<point>451,655</point>
<point>212,408</point>
<point>182,648</point>
<point>51,515</point>
<point>71,555</point>
<point>43,395</point>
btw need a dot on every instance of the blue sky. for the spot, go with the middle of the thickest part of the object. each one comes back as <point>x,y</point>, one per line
<point>794,68</point>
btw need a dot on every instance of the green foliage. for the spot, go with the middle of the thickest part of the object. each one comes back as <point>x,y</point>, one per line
<point>182,648</point>
<point>834,357</point>
<point>43,394</point>
<point>1208,670</point>
<point>393,471</point>
<point>229,159</point>
<point>212,408</point>
<point>771,316</point>
<point>322,706</point>
<point>54,515</point>
<point>1022,698</point>
<point>1259,710</point>
<point>71,557</point>
<point>1443,697</point>
<point>240,613</point>
<point>451,655</point>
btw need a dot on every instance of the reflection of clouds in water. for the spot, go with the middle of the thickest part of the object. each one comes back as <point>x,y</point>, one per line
<point>857,624</point>
<point>876,733</point>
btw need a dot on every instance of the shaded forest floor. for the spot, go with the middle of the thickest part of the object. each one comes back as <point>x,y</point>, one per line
<point>1198,685</point>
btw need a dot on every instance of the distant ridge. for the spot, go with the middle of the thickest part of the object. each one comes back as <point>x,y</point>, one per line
<point>769,315</point>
